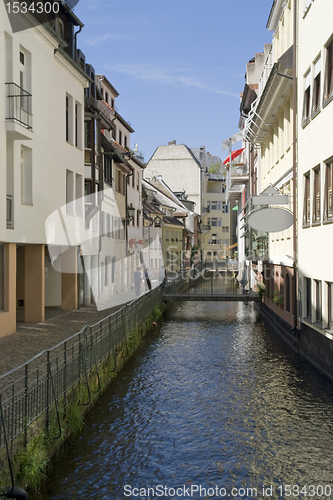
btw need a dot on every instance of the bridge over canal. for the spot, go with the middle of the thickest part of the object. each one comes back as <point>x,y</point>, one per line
<point>208,286</point>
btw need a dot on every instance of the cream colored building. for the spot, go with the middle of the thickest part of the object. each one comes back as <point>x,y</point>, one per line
<point>180,170</point>
<point>41,163</point>
<point>315,171</point>
<point>269,129</point>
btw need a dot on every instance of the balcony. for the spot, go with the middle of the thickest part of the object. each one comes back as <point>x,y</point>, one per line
<point>205,228</point>
<point>18,112</point>
<point>239,174</point>
<point>205,210</point>
<point>9,212</point>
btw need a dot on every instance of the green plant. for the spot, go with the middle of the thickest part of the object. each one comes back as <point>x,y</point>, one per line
<point>214,169</point>
<point>75,418</point>
<point>278,299</point>
<point>261,289</point>
<point>32,462</point>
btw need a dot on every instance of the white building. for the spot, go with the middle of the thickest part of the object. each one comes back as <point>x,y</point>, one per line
<point>41,161</point>
<point>180,170</point>
<point>315,173</point>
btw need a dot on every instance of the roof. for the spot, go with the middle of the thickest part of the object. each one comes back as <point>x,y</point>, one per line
<point>164,188</point>
<point>172,221</point>
<point>152,208</point>
<point>124,122</point>
<point>111,87</point>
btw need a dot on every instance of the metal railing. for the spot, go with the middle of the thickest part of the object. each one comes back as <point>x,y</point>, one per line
<point>203,286</point>
<point>30,390</point>
<point>19,105</point>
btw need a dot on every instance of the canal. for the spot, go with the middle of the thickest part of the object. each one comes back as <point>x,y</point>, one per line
<point>213,399</point>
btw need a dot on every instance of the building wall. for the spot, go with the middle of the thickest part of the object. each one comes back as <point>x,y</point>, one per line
<point>179,171</point>
<point>315,150</point>
<point>33,163</point>
<point>50,152</point>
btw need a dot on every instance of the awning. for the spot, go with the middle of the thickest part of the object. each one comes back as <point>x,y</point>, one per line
<point>232,246</point>
<point>234,155</point>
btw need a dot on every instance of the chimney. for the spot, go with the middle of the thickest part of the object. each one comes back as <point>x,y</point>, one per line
<point>171,143</point>
<point>208,153</point>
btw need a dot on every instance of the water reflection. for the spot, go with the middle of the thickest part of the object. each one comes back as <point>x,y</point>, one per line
<point>213,398</point>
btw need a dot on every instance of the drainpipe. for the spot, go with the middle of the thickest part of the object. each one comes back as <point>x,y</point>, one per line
<point>295,295</point>
<point>75,41</point>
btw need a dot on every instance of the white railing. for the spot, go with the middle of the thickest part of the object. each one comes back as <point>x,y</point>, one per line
<point>266,71</point>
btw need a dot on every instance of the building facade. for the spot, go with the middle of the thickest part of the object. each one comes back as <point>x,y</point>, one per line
<point>42,135</point>
<point>315,171</point>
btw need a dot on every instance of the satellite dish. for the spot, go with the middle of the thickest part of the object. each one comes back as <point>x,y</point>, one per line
<point>270,219</point>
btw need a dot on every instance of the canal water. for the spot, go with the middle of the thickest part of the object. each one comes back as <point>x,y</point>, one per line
<point>213,400</point>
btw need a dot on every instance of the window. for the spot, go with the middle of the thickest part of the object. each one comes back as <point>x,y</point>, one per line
<point>316,86</point>
<point>120,137</point>
<point>316,195</point>
<point>78,126</point>
<point>328,84</point>
<point>214,222</point>
<point>329,306</point>
<point>287,286</point>
<point>306,206</point>
<point>21,57</point>
<point>225,229</point>
<point>220,222</point>
<point>125,141</point>
<point>138,218</point>
<point>328,213</point>
<point>119,182</point>
<point>112,103</point>
<point>306,99</point>
<point>318,301</point>
<point>108,168</point>
<point>69,192</point>
<point>308,298</point>
<point>133,179</point>
<point>69,119</point>
<point>137,181</point>
<point>208,205</point>
<point>78,194</point>
<point>225,208</point>
<point>214,205</point>
<point>26,175</point>
<point>107,97</point>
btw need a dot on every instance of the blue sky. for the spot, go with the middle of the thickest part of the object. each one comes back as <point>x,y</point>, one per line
<point>178,65</point>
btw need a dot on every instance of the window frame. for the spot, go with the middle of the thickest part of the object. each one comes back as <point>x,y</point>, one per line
<point>306,201</point>
<point>328,203</point>
<point>316,207</point>
<point>328,80</point>
<point>306,98</point>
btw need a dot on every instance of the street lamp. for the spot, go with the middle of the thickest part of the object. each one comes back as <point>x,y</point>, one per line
<point>130,213</point>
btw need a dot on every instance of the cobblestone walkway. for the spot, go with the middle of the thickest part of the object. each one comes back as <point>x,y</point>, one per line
<point>32,338</point>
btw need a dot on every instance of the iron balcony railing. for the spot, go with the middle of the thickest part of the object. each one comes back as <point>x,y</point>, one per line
<point>19,105</point>
<point>9,212</point>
